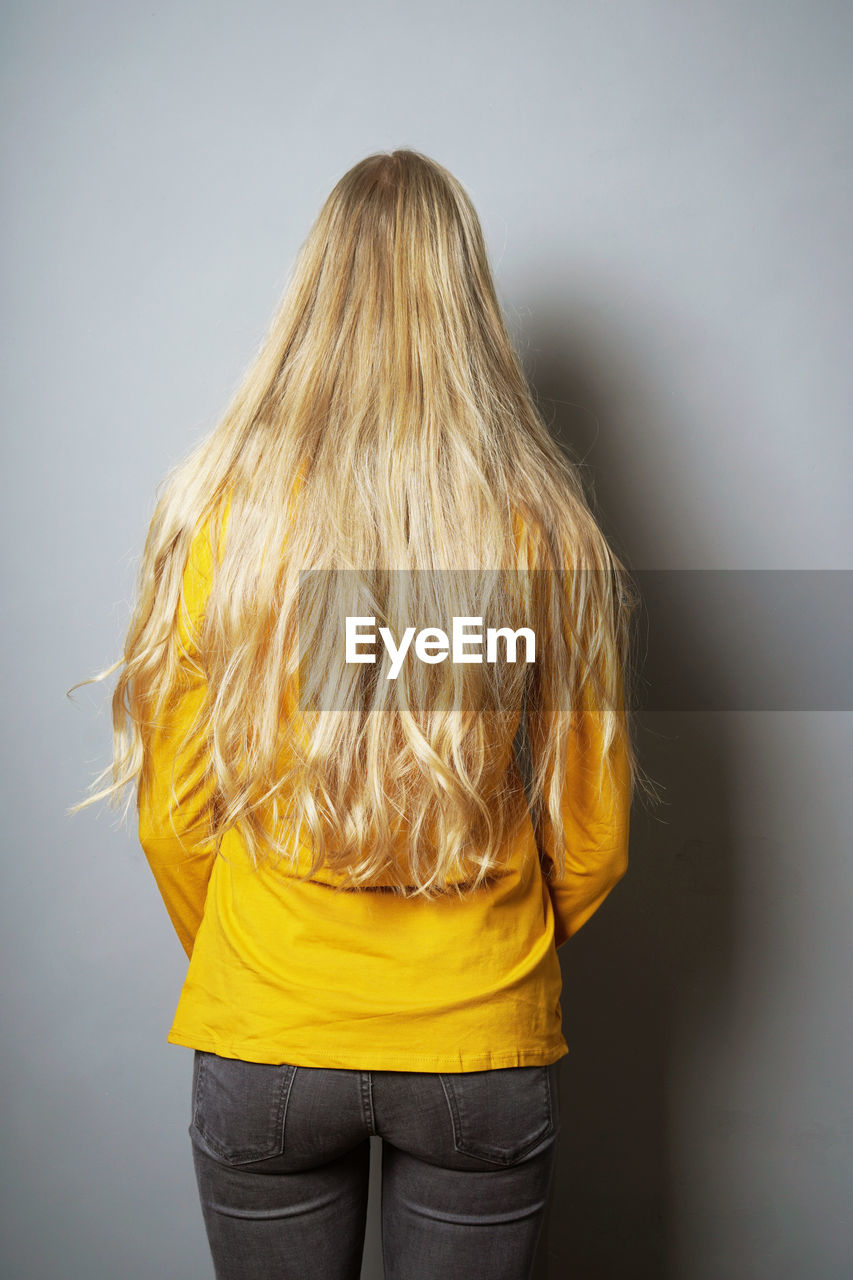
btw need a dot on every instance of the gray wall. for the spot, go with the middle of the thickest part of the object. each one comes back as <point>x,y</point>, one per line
<point>665,189</point>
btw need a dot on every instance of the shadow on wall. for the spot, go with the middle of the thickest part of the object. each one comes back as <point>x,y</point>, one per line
<point>659,950</point>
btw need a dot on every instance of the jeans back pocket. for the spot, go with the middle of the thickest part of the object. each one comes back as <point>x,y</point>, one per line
<point>239,1108</point>
<point>502,1114</point>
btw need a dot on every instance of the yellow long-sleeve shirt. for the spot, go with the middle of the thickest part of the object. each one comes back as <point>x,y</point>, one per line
<point>283,970</point>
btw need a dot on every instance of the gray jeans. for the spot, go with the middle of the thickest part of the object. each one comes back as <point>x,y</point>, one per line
<point>282,1159</point>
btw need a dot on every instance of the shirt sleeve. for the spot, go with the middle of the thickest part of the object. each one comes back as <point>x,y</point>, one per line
<point>596,814</point>
<point>178,848</point>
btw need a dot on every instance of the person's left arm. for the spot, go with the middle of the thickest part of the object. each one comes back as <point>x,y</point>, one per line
<point>176,841</point>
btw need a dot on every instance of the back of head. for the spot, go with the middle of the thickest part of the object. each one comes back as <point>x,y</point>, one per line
<point>384,426</point>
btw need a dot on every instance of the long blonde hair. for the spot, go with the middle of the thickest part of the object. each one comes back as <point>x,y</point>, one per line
<point>384,424</point>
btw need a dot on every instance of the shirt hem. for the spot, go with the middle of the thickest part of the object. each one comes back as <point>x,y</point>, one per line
<point>260,1051</point>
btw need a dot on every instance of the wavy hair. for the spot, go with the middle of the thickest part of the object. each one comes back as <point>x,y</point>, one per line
<point>385,424</point>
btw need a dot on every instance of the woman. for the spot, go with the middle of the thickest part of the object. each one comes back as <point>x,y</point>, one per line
<point>371,872</point>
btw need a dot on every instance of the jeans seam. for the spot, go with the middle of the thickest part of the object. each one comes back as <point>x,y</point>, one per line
<point>450,1098</point>
<point>367,1101</point>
